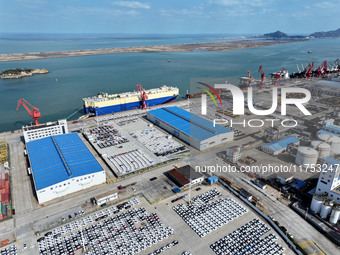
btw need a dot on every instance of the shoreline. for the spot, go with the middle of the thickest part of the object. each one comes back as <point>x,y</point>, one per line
<point>193,47</point>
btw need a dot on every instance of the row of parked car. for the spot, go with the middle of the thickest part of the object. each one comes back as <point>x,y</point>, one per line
<point>246,240</point>
<point>204,217</point>
<point>109,231</point>
<point>11,250</point>
<point>69,237</point>
<point>165,247</point>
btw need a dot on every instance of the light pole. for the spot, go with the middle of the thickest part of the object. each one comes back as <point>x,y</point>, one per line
<point>189,191</point>
<point>306,213</point>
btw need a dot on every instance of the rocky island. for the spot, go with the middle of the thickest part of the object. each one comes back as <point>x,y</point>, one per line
<point>19,73</point>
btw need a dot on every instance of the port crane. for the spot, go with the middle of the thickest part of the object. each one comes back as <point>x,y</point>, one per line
<point>34,112</point>
<point>277,75</point>
<point>337,62</point>
<point>250,78</point>
<point>143,96</point>
<point>263,76</point>
<point>308,70</point>
<point>321,70</point>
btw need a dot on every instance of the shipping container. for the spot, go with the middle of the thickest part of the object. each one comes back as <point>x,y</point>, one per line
<point>6,176</point>
<point>176,190</point>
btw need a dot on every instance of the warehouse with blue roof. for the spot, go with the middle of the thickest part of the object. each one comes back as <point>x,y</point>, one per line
<point>62,164</point>
<point>190,128</point>
<point>277,147</point>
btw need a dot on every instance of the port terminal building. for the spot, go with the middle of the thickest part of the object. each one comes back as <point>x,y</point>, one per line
<point>61,165</point>
<point>190,128</point>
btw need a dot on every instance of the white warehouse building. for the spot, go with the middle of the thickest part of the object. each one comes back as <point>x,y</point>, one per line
<point>61,165</point>
<point>190,128</point>
<point>32,133</point>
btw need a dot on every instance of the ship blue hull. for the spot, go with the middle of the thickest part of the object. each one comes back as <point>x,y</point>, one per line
<point>128,106</point>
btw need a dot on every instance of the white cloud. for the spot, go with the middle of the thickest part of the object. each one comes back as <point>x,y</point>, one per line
<point>184,12</point>
<point>132,4</point>
<point>101,12</point>
<point>224,2</point>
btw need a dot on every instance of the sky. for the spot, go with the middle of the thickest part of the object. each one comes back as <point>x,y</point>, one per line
<point>169,16</point>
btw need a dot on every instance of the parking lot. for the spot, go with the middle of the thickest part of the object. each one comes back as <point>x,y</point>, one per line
<point>205,217</point>
<point>136,227</point>
<point>247,240</point>
<point>115,230</point>
<point>11,250</point>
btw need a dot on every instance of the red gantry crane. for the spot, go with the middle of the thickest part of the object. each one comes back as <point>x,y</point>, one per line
<point>277,76</point>
<point>308,70</point>
<point>322,70</point>
<point>143,95</point>
<point>34,112</point>
<point>263,76</point>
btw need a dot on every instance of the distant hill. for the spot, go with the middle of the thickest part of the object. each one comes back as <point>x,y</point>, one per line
<point>281,35</point>
<point>333,33</point>
<point>277,34</point>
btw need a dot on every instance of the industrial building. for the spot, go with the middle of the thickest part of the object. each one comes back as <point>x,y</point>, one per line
<point>190,128</point>
<point>32,133</point>
<point>234,153</point>
<point>277,147</point>
<point>326,132</point>
<point>326,200</point>
<point>105,198</point>
<point>184,175</point>
<point>61,165</point>
<point>332,128</point>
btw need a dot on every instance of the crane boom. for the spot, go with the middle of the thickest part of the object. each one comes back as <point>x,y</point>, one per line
<point>34,112</point>
<point>143,96</point>
<point>263,76</point>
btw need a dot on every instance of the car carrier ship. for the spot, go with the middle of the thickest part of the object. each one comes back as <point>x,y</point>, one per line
<point>104,103</point>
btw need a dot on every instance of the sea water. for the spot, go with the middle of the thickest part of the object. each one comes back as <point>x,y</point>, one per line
<point>59,93</point>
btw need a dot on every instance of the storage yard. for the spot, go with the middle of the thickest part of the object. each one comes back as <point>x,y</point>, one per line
<point>131,144</point>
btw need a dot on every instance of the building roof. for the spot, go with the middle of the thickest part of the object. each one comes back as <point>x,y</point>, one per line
<point>181,179</point>
<point>213,178</point>
<point>58,158</point>
<point>333,127</point>
<point>281,144</point>
<point>332,161</point>
<point>298,184</point>
<point>285,175</point>
<point>326,132</point>
<point>189,172</point>
<point>188,123</point>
